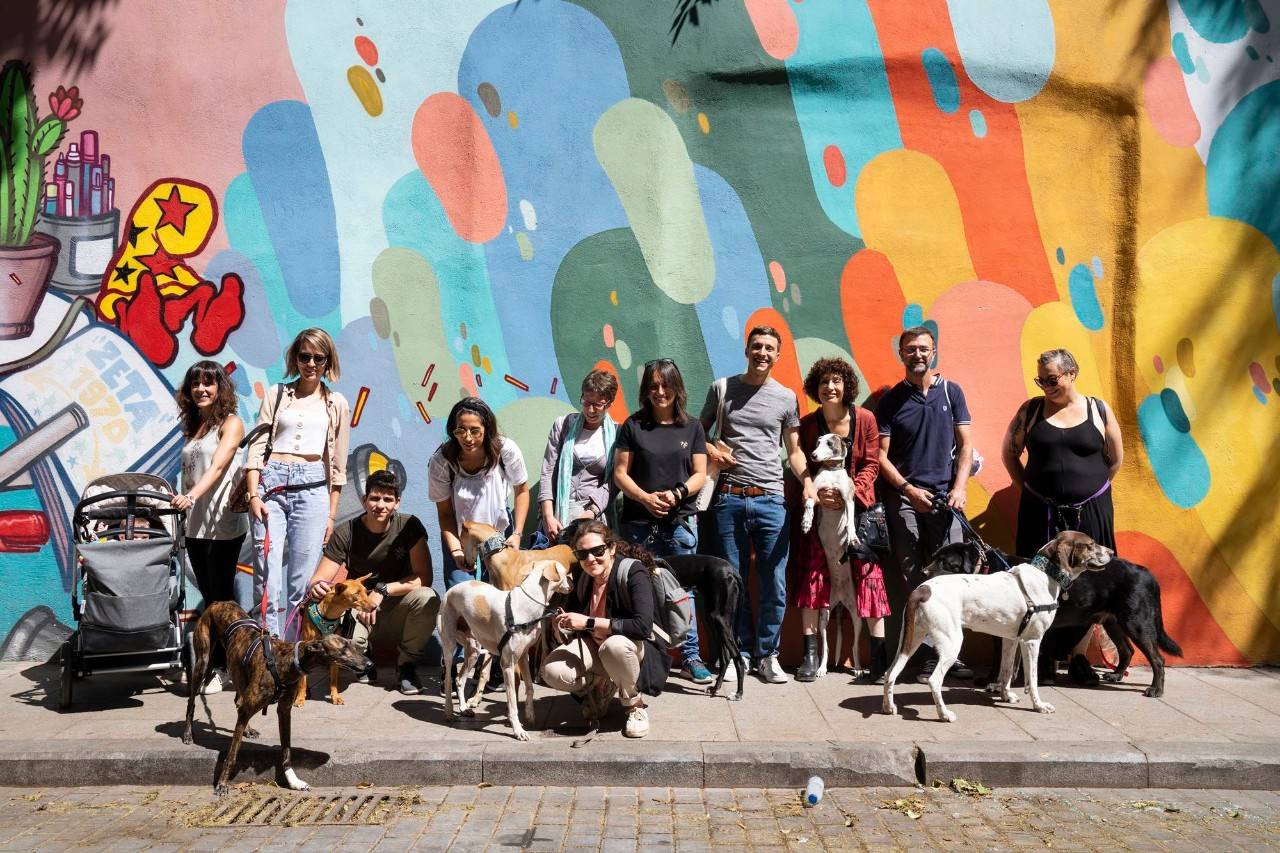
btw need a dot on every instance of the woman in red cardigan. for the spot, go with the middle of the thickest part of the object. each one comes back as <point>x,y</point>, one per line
<point>833,385</point>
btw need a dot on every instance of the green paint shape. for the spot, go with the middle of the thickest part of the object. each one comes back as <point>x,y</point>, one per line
<point>653,325</point>
<point>526,421</point>
<point>407,285</point>
<point>809,350</point>
<point>641,151</point>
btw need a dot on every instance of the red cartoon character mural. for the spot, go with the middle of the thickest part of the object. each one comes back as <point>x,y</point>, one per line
<point>149,289</point>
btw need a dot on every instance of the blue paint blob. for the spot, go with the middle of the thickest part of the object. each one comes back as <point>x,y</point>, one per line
<point>1008,49</point>
<point>978,122</point>
<point>1218,21</point>
<point>1097,267</point>
<point>942,80</point>
<point>1202,70</point>
<point>1183,54</point>
<point>912,315</point>
<point>287,168</point>
<point>1259,396</point>
<point>932,326</point>
<point>1084,297</point>
<point>1242,163</point>
<point>1258,20</point>
<point>1173,410</point>
<point>1062,256</point>
<point>1275,298</point>
<point>1181,469</point>
<point>1251,51</point>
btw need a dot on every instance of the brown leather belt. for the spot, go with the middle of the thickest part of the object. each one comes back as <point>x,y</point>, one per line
<point>741,491</point>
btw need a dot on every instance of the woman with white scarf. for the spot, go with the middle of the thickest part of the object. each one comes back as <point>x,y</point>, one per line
<point>577,465</point>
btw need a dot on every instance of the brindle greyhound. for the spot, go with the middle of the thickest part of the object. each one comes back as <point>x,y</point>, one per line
<point>265,671</point>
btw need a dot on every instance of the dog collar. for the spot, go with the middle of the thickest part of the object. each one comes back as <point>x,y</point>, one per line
<point>491,546</point>
<point>831,464</point>
<point>323,624</point>
<point>1057,575</point>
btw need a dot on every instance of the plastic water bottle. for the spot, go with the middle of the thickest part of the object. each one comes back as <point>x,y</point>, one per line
<point>813,791</point>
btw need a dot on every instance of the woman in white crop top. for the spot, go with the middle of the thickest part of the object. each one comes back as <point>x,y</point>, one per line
<point>294,487</point>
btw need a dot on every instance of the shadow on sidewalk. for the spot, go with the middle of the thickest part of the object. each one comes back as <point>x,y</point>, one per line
<point>254,754</point>
<point>910,701</point>
<point>101,692</point>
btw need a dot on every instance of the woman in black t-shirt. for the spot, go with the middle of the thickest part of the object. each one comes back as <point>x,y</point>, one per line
<point>660,462</point>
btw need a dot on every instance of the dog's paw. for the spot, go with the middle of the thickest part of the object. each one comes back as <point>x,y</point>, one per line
<point>335,699</point>
<point>947,715</point>
<point>299,703</point>
<point>1152,693</point>
<point>468,711</point>
<point>888,707</point>
<point>251,733</point>
<point>521,734</point>
<point>220,790</point>
<point>1113,677</point>
<point>1045,708</point>
<point>295,784</point>
<point>992,687</point>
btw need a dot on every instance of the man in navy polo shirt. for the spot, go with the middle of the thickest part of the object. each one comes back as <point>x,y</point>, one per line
<point>924,433</point>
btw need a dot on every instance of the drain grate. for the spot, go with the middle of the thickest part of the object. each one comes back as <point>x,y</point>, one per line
<point>322,810</point>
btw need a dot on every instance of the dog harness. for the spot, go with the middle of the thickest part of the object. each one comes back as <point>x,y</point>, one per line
<point>270,659</point>
<point>322,623</point>
<point>1057,575</point>
<point>508,620</point>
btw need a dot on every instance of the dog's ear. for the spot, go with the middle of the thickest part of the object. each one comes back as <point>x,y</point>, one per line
<point>552,571</point>
<point>361,580</point>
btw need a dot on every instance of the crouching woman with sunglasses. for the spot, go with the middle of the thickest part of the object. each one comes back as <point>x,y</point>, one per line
<point>607,630</point>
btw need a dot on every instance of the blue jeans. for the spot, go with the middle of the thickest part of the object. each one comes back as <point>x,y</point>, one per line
<point>741,525</point>
<point>295,520</point>
<point>663,539</point>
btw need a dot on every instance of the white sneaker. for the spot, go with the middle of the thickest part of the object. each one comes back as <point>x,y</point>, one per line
<point>637,722</point>
<point>771,672</point>
<point>214,685</point>
<point>731,671</point>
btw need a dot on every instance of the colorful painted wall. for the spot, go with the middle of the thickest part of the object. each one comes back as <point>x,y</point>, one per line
<point>489,197</point>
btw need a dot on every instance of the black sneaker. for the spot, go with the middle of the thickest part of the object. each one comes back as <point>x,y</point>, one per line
<point>410,684</point>
<point>369,676</point>
<point>958,670</point>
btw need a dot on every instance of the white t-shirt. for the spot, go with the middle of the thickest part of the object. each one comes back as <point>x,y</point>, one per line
<point>588,456</point>
<point>481,496</point>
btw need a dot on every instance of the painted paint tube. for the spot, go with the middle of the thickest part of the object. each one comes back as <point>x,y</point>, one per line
<point>45,438</point>
<point>51,196</point>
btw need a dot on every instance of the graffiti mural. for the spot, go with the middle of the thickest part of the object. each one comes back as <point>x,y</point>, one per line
<point>493,198</point>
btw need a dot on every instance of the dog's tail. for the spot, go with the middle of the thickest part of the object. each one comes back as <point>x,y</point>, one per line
<point>907,639</point>
<point>1163,640</point>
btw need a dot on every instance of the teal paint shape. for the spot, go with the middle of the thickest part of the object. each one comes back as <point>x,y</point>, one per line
<point>1242,167</point>
<point>1084,297</point>
<point>1173,410</point>
<point>1007,49</point>
<point>942,80</point>
<point>912,315</point>
<point>978,122</point>
<point>1062,256</point>
<point>1182,53</point>
<point>1181,470</point>
<point>1251,51</point>
<point>1219,21</point>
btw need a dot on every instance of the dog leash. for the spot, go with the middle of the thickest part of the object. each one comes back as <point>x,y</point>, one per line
<point>986,551</point>
<point>266,541</point>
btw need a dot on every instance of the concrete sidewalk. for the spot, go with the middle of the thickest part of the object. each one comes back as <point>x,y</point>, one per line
<point>1214,728</point>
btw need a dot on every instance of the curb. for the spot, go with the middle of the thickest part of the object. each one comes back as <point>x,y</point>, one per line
<point>71,763</point>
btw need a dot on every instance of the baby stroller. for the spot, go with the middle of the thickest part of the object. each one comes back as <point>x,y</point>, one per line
<point>130,569</point>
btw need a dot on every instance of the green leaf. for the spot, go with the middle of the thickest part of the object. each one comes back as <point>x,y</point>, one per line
<point>26,217</point>
<point>18,104</point>
<point>48,135</point>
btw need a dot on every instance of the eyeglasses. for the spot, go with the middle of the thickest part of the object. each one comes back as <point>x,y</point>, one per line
<point>1050,381</point>
<point>587,404</point>
<point>914,350</point>
<point>597,552</point>
<point>475,432</point>
<point>312,358</point>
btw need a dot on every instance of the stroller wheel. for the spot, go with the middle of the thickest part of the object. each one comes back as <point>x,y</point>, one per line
<point>68,676</point>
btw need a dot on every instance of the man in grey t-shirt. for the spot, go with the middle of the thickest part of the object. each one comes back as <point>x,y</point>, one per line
<point>748,512</point>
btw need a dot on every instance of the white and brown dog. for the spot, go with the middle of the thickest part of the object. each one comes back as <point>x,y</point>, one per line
<point>838,534</point>
<point>1017,605</point>
<point>506,625</point>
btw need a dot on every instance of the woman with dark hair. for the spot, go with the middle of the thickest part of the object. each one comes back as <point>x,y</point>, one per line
<point>660,463</point>
<point>294,487</point>
<point>207,408</point>
<point>832,384</point>
<point>469,476</point>
<point>606,628</point>
<point>577,468</point>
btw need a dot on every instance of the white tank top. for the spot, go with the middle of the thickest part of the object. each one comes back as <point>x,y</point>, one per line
<point>301,430</point>
<point>210,517</point>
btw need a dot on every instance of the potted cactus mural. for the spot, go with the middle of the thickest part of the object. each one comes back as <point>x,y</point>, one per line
<point>26,257</point>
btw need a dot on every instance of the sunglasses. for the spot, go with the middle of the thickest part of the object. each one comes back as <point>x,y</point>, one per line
<point>310,358</point>
<point>1050,382</point>
<point>597,552</point>
<point>657,361</point>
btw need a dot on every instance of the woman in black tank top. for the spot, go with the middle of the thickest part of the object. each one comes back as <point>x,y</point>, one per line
<point>1066,483</point>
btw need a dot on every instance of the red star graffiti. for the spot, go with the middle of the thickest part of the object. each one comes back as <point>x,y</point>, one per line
<point>161,263</point>
<point>174,211</point>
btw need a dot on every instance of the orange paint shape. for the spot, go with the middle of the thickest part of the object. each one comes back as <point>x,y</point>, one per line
<point>362,397</point>
<point>618,408</point>
<point>1186,617</point>
<point>775,25</point>
<point>454,152</point>
<point>989,174</point>
<point>872,304</point>
<point>778,275</point>
<point>787,368</point>
<point>833,162</point>
<point>1164,93</point>
<point>367,50</point>
<point>608,335</point>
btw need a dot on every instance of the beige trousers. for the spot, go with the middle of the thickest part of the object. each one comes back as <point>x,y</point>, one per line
<point>569,668</point>
<point>407,620</point>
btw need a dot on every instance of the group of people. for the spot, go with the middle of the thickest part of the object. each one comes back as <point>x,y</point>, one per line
<point>664,481</point>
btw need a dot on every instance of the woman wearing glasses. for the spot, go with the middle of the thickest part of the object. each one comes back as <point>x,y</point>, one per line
<point>660,462</point>
<point>1073,451</point>
<point>607,630</point>
<point>577,469</point>
<point>469,476</point>
<point>294,473</point>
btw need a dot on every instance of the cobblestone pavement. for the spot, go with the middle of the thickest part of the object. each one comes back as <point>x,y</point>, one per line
<point>644,819</point>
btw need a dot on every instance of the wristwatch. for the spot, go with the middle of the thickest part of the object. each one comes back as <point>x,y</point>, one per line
<point>591,623</point>
<point>380,589</point>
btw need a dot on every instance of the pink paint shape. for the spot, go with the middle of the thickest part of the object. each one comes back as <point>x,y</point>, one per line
<point>608,335</point>
<point>1164,92</point>
<point>776,26</point>
<point>833,161</point>
<point>368,50</point>
<point>468,378</point>
<point>779,276</point>
<point>1259,377</point>
<point>1158,363</point>
<point>455,154</point>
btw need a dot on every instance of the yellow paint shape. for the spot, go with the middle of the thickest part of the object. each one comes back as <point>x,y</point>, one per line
<point>908,210</point>
<point>377,462</point>
<point>513,120</point>
<point>366,89</point>
<point>524,245</point>
<point>613,296</point>
<point>486,364</point>
<point>704,124</point>
<point>1176,380</point>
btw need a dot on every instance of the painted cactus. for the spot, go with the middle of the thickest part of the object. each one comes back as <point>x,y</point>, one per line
<point>24,146</point>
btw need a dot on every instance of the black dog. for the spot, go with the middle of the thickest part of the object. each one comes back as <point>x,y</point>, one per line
<point>719,594</point>
<point>1124,598</point>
